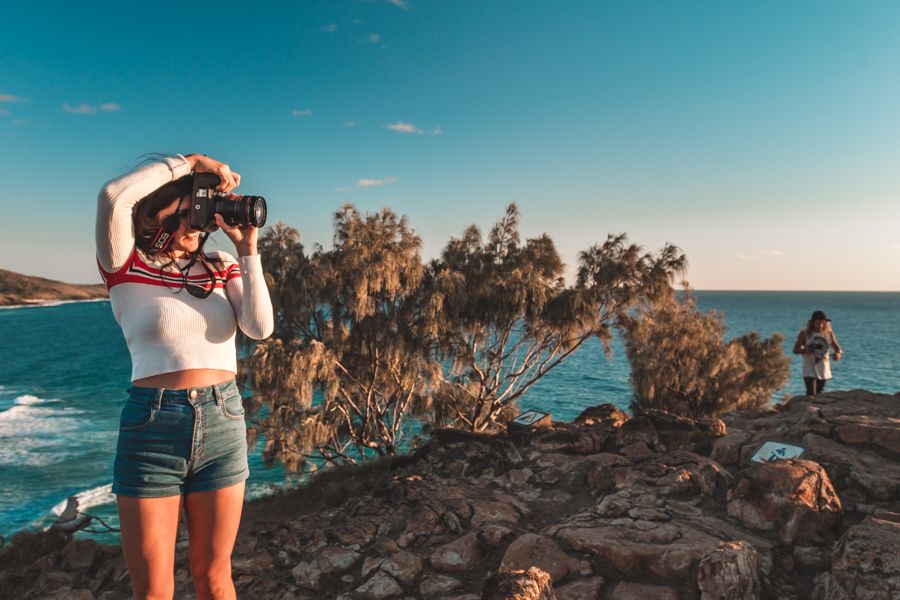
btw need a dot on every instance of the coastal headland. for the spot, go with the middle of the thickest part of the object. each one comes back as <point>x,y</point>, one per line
<point>652,506</point>
<point>17,289</point>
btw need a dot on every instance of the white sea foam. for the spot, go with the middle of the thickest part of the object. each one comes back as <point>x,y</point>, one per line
<point>33,433</point>
<point>87,498</point>
<point>28,400</point>
<point>46,303</point>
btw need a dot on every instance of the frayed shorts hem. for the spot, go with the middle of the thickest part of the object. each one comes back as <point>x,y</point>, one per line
<point>179,490</point>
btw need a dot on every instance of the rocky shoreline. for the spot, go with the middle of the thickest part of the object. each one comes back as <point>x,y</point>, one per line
<point>607,507</point>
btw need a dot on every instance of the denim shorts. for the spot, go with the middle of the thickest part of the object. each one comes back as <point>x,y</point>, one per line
<point>174,442</point>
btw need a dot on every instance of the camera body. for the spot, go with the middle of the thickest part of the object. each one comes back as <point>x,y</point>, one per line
<point>236,210</point>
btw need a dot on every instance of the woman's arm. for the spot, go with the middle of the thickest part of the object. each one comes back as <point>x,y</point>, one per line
<point>800,344</point>
<point>249,298</point>
<point>838,351</point>
<point>116,201</point>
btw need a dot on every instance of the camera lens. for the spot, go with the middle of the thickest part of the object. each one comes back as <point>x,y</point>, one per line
<point>240,211</point>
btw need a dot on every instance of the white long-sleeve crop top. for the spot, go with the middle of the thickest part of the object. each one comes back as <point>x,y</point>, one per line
<point>166,329</point>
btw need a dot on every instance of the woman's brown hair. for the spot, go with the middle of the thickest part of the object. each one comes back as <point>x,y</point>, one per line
<point>145,213</point>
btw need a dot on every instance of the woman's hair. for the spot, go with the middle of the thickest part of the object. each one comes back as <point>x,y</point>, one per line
<point>145,219</point>
<point>809,326</point>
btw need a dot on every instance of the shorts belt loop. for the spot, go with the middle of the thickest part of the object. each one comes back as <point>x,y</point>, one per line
<point>158,400</point>
<point>217,394</point>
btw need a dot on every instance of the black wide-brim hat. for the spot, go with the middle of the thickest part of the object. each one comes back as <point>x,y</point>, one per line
<point>819,315</point>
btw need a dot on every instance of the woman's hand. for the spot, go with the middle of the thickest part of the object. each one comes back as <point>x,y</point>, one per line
<point>203,164</point>
<point>244,238</point>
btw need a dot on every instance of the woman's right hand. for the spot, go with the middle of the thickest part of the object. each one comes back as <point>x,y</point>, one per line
<point>201,163</point>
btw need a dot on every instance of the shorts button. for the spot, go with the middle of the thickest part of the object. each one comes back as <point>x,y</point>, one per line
<point>193,394</point>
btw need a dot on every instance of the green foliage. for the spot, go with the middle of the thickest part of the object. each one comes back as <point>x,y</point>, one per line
<point>348,326</point>
<point>505,318</point>
<point>681,363</point>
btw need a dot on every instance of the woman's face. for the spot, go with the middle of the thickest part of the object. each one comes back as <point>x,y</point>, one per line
<point>186,240</point>
<point>819,324</point>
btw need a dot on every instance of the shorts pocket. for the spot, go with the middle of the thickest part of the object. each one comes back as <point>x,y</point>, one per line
<point>233,406</point>
<point>136,415</point>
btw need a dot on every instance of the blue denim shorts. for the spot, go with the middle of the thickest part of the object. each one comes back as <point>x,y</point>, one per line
<point>174,442</point>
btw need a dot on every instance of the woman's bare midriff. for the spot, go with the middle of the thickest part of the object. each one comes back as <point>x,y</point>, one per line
<point>178,380</point>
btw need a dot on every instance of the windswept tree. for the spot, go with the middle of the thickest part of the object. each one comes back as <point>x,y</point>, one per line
<point>681,363</point>
<point>505,318</point>
<point>349,360</point>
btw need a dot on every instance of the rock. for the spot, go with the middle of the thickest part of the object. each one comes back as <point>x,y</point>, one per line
<point>814,558</point>
<point>578,441</point>
<point>79,555</point>
<point>253,565</point>
<point>380,586</point>
<point>878,478</point>
<point>730,572</point>
<point>434,585</point>
<point>865,563</point>
<point>726,450</point>
<point>583,589</point>
<point>531,550</point>
<point>494,512</point>
<point>881,432</point>
<point>329,560</point>
<point>795,497</point>
<point>493,535</point>
<point>604,414</point>
<point>457,556</point>
<point>403,566</point>
<point>639,591</point>
<point>533,584</point>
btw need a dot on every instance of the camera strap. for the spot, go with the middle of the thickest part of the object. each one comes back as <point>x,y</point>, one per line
<point>165,234</point>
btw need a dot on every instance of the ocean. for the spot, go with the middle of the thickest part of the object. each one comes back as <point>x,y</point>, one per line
<point>64,371</point>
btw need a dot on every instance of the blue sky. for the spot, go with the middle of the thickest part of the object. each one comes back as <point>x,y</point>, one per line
<point>761,137</point>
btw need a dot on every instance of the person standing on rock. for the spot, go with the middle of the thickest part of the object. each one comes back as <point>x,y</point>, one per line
<point>814,343</point>
<point>182,437</point>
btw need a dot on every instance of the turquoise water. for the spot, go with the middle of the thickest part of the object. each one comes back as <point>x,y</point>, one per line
<point>64,370</point>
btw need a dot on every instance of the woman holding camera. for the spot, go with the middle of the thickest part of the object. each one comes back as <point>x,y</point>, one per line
<point>814,343</point>
<point>182,436</point>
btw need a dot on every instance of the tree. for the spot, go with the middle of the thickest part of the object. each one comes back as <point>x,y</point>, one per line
<point>504,317</point>
<point>349,361</point>
<point>681,363</point>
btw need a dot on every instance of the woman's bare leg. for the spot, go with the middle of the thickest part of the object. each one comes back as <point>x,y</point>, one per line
<point>213,520</point>
<point>149,527</point>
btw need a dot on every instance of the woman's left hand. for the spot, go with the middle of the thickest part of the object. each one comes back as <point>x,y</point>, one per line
<point>244,238</point>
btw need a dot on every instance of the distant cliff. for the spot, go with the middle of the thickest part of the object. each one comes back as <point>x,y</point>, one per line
<point>16,288</point>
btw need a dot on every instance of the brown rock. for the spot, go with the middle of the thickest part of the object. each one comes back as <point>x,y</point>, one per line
<point>434,585</point>
<point>533,584</point>
<point>793,496</point>
<point>329,560</point>
<point>880,431</point>
<point>865,562</point>
<point>730,572</point>
<point>583,589</point>
<point>494,512</point>
<point>726,450</point>
<point>877,477</point>
<point>79,555</point>
<point>380,586</point>
<point>457,556</point>
<point>531,550</point>
<point>639,591</point>
<point>403,566</point>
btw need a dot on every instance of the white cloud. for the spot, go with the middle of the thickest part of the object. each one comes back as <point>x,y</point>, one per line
<point>348,124</point>
<point>89,109</point>
<point>401,4</point>
<point>4,112</point>
<point>744,257</point>
<point>330,28</point>
<point>342,189</point>
<point>12,98</point>
<point>770,252</point>
<point>401,127</point>
<point>376,182</point>
<point>374,38</point>
<point>301,113</point>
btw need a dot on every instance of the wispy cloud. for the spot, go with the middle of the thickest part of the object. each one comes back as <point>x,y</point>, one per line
<point>330,28</point>
<point>401,4</point>
<point>90,109</point>
<point>374,38</point>
<point>348,124</point>
<point>12,98</point>
<point>770,252</point>
<point>401,127</point>
<point>301,112</point>
<point>744,257</point>
<point>19,122</point>
<point>4,112</point>
<point>376,182</point>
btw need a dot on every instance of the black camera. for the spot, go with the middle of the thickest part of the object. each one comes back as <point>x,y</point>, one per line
<point>236,210</point>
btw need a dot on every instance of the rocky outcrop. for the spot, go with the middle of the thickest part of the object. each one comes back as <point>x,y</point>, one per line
<point>655,506</point>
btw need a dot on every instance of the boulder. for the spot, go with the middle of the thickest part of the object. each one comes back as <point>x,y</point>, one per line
<point>730,572</point>
<point>533,584</point>
<point>531,550</point>
<point>794,497</point>
<point>379,587</point>
<point>865,562</point>
<point>583,589</point>
<point>604,414</point>
<point>403,566</point>
<point>460,555</point>
<point>639,591</point>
